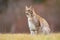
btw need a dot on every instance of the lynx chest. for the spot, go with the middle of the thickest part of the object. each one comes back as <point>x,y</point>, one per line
<point>33,22</point>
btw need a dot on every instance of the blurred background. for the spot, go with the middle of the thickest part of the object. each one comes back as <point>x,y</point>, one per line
<point>13,18</point>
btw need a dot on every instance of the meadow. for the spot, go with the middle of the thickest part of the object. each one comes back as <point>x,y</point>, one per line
<point>53,36</point>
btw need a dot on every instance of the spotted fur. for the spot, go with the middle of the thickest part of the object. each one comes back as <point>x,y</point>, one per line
<point>36,23</point>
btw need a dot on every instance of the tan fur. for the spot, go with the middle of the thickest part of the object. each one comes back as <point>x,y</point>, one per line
<point>36,21</point>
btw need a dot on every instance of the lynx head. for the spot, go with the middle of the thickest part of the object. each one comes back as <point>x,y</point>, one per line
<point>29,11</point>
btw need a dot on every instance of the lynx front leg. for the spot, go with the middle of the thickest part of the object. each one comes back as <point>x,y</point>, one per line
<point>33,29</point>
<point>33,32</point>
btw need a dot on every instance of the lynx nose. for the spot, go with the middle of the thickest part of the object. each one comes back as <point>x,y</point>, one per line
<point>26,13</point>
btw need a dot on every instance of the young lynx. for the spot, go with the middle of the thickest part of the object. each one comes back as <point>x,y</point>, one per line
<point>36,23</point>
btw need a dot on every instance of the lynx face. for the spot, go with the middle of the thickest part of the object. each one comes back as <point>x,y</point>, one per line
<point>29,12</point>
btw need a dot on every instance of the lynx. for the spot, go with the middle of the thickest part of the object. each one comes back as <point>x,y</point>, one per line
<point>36,23</point>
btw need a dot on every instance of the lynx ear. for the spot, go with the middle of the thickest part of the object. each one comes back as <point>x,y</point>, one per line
<point>26,7</point>
<point>30,6</point>
<point>34,11</point>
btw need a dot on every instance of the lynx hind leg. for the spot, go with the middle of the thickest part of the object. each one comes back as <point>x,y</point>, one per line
<point>39,30</point>
<point>46,30</point>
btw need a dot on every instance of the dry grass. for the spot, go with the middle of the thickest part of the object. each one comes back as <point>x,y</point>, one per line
<point>55,36</point>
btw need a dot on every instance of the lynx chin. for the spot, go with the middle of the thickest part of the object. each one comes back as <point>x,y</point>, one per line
<point>36,23</point>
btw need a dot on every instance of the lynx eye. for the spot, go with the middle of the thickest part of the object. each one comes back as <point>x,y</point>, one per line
<point>27,14</point>
<point>30,11</point>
